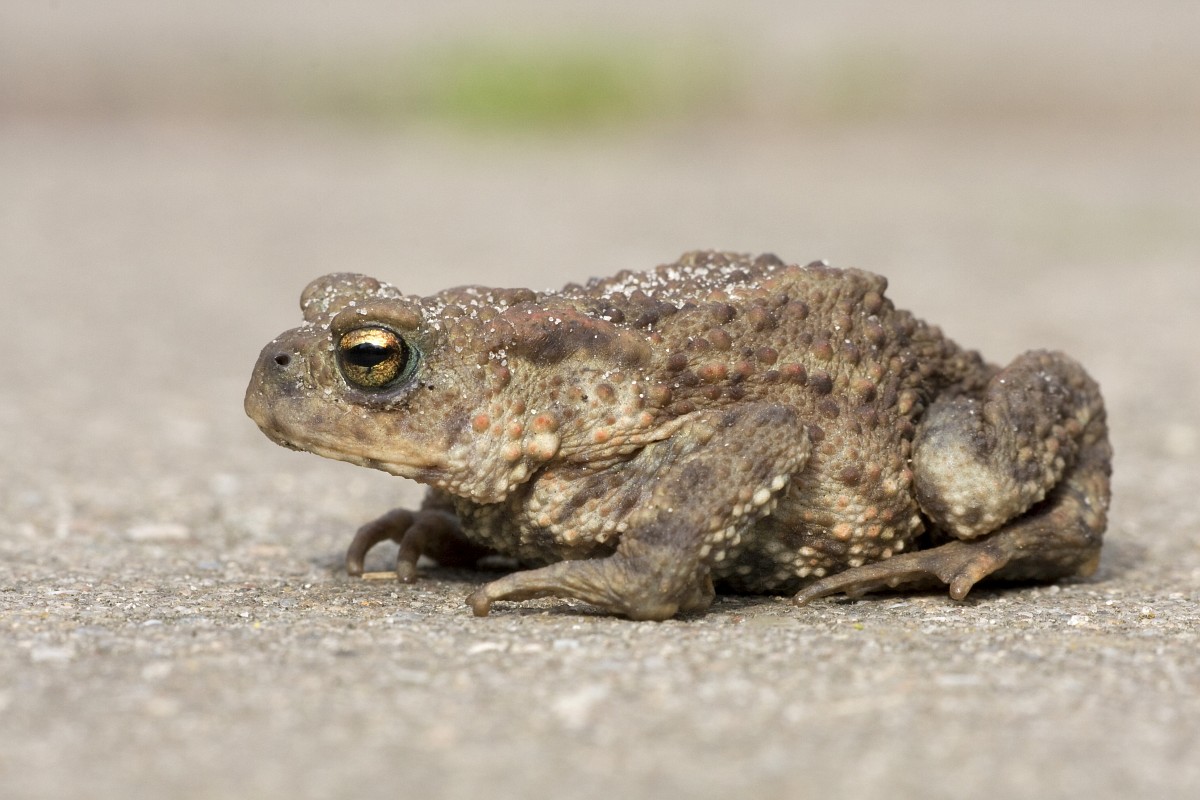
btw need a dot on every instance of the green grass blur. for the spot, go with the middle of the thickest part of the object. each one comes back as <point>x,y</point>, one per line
<point>530,86</point>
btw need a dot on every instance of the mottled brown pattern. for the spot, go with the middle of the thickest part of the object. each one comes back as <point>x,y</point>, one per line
<point>724,420</point>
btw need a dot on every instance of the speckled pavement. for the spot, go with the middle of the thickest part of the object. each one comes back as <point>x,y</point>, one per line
<point>175,620</point>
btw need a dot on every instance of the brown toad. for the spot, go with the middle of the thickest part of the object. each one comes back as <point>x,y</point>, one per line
<point>724,420</point>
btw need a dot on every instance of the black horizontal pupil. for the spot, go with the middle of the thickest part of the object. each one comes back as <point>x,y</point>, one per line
<point>367,355</point>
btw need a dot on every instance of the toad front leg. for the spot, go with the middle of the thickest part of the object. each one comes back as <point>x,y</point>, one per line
<point>433,530</point>
<point>1020,476</point>
<point>705,486</point>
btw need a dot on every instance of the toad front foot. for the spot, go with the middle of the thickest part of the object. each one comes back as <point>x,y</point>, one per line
<point>617,584</point>
<point>429,531</point>
<point>705,487</point>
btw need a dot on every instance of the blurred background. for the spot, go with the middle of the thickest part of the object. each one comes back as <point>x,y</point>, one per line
<point>1027,174</point>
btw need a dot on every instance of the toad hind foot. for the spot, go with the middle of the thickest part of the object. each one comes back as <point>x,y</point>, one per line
<point>1058,538</point>
<point>1055,538</point>
<point>958,564</point>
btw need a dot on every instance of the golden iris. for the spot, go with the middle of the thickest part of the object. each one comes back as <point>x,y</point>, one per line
<point>374,358</point>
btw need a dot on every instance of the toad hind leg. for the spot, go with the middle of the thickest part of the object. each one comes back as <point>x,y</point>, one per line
<point>1058,536</point>
<point>705,486</point>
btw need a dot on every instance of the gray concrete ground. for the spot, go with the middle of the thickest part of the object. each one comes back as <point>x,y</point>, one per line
<point>175,622</point>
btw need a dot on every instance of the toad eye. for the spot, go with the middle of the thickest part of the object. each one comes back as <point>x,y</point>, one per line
<point>375,358</point>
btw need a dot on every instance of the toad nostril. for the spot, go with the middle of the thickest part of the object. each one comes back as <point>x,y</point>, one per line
<point>283,359</point>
